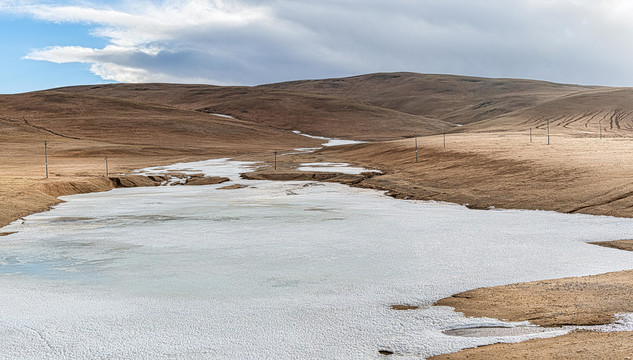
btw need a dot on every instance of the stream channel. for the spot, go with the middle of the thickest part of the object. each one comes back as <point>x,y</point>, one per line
<point>274,270</point>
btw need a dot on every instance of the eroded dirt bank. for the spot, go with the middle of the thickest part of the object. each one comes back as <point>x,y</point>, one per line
<point>581,345</point>
<point>591,300</point>
<point>25,196</point>
<point>30,196</point>
<point>486,170</point>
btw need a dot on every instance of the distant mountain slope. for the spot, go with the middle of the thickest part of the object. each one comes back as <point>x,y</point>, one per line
<point>326,116</point>
<point>80,119</point>
<point>393,105</point>
<point>182,96</point>
<point>310,113</point>
<point>456,99</point>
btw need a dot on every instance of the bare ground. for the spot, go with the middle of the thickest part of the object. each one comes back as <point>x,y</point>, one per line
<point>617,244</point>
<point>591,300</point>
<point>504,170</point>
<point>580,345</point>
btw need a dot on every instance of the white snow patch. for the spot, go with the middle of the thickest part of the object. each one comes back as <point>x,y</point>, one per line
<point>344,168</point>
<point>303,151</point>
<point>330,141</point>
<point>623,322</point>
<point>215,167</point>
<point>224,116</point>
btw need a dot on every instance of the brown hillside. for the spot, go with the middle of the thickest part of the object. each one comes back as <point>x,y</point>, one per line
<point>90,125</point>
<point>310,113</point>
<point>456,99</point>
<point>182,96</point>
<point>327,116</point>
<point>577,114</point>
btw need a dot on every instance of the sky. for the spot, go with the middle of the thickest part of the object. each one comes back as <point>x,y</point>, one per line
<point>48,44</point>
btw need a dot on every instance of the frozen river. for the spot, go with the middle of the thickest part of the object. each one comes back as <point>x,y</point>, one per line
<point>272,271</point>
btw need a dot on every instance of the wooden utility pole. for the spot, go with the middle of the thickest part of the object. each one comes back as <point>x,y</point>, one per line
<point>46,157</point>
<point>416,147</point>
<point>275,159</point>
<point>547,131</point>
<point>600,126</point>
<point>530,134</point>
<point>106,161</point>
<point>444,140</point>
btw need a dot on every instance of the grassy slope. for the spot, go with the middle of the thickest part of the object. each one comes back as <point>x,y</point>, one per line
<point>580,114</point>
<point>89,125</point>
<point>456,99</point>
<point>310,113</point>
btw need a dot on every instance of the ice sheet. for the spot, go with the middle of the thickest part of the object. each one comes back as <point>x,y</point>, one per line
<point>344,168</point>
<point>214,167</point>
<point>276,270</point>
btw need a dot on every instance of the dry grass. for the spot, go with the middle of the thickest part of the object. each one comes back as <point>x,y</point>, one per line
<point>505,170</point>
<point>456,99</point>
<point>576,346</point>
<point>288,110</point>
<point>617,244</point>
<point>591,300</point>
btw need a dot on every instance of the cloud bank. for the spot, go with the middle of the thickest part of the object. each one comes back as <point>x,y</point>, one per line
<point>254,42</point>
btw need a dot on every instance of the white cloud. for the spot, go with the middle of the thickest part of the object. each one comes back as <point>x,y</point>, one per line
<point>109,71</point>
<point>249,42</point>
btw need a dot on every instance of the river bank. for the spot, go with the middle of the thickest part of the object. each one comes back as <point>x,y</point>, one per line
<point>25,196</point>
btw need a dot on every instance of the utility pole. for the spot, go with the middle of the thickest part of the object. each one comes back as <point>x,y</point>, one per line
<point>416,147</point>
<point>275,159</point>
<point>46,157</point>
<point>600,126</point>
<point>444,140</point>
<point>547,131</point>
<point>530,134</point>
<point>106,161</point>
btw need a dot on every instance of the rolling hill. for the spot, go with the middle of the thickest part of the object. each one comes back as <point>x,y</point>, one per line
<point>580,114</point>
<point>315,114</point>
<point>192,118</point>
<point>89,125</point>
<point>455,99</point>
<point>388,105</point>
